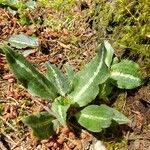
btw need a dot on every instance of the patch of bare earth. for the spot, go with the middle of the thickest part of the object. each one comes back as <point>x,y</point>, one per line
<point>139,108</point>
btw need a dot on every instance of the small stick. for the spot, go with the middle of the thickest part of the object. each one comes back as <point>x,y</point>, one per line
<point>2,147</point>
<point>7,123</point>
<point>45,107</point>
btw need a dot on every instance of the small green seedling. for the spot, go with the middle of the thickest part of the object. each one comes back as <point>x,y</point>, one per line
<point>75,90</point>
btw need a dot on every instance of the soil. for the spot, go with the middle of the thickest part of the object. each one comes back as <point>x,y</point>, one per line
<point>16,102</point>
<point>139,108</point>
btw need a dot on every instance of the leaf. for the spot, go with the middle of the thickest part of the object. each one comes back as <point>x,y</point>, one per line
<point>11,11</point>
<point>41,124</point>
<point>23,41</point>
<point>115,61</point>
<point>69,71</point>
<point>70,75</point>
<point>105,89</point>
<point>119,117</point>
<point>58,78</point>
<point>24,19</point>
<point>95,118</point>
<point>36,83</point>
<point>126,75</point>
<point>9,2</point>
<point>85,83</point>
<point>31,4</point>
<point>14,4</point>
<point>60,107</point>
<point>109,53</point>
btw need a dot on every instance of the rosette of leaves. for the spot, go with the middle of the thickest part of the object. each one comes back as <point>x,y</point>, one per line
<point>74,89</point>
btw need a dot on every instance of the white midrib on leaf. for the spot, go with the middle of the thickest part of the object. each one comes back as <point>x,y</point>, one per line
<point>34,75</point>
<point>94,117</point>
<point>23,42</point>
<point>60,113</point>
<point>86,86</point>
<point>59,83</point>
<point>128,76</point>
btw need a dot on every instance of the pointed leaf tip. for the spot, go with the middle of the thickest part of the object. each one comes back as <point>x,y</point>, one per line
<point>95,118</point>
<point>35,82</point>
<point>85,83</point>
<point>109,53</point>
<point>119,117</point>
<point>57,77</point>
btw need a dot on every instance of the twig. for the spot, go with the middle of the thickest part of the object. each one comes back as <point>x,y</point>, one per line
<point>44,107</point>
<point>9,138</point>
<point>2,147</point>
<point>138,138</point>
<point>11,98</point>
<point>2,101</point>
<point>7,123</point>
<point>124,102</point>
<point>15,145</point>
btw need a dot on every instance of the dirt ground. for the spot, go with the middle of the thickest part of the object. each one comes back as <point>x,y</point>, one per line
<point>16,102</point>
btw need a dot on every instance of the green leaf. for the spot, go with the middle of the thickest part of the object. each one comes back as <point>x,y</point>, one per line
<point>70,75</point>
<point>109,53</point>
<point>41,124</point>
<point>13,3</point>
<point>115,61</point>
<point>95,118</point>
<point>24,19</point>
<point>11,11</point>
<point>9,2</point>
<point>31,4</point>
<point>36,83</point>
<point>60,107</point>
<point>105,89</point>
<point>126,75</point>
<point>119,117</point>
<point>85,83</point>
<point>58,78</point>
<point>69,71</point>
<point>23,41</point>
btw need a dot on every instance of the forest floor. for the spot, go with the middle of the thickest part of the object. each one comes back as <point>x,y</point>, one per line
<point>75,43</point>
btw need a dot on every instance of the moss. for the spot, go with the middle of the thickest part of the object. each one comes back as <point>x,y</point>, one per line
<point>120,100</point>
<point>1,109</point>
<point>58,5</point>
<point>120,145</point>
<point>43,3</point>
<point>126,24</point>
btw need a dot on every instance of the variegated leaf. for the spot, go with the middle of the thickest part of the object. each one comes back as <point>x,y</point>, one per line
<point>60,107</point>
<point>95,118</point>
<point>22,41</point>
<point>105,89</point>
<point>109,53</point>
<point>69,71</point>
<point>70,75</point>
<point>36,83</point>
<point>126,75</point>
<point>86,81</point>
<point>58,78</point>
<point>119,117</point>
<point>41,124</point>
